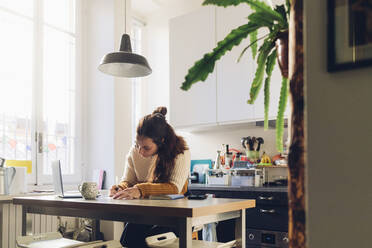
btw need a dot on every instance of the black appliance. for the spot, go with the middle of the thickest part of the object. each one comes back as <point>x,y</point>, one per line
<point>261,238</point>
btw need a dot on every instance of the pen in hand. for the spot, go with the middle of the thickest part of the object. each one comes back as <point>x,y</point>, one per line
<point>114,189</point>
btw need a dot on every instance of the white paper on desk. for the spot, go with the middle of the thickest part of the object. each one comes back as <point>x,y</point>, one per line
<point>62,242</point>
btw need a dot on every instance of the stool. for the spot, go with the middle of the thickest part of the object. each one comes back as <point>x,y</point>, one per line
<point>169,240</point>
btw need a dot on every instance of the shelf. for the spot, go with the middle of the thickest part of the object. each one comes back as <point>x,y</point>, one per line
<point>271,166</point>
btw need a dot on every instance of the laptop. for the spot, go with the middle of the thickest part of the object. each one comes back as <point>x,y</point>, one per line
<point>58,183</point>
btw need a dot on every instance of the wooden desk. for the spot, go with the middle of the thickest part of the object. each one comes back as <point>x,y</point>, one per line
<point>182,214</point>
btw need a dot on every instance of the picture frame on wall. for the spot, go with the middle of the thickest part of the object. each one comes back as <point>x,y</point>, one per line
<point>349,34</point>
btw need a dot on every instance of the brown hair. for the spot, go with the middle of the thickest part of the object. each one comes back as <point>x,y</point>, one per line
<point>156,127</point>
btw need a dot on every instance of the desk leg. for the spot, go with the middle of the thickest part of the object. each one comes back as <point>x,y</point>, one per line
<point>185,232</point>
<point>96,229</point>
<point>240,230</point>
<point>24,221</point>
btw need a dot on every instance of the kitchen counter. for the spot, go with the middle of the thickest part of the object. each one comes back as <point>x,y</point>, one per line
<point>269,216</point>
<point>195,186</point>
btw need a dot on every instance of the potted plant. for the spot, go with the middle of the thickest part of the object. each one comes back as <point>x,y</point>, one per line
<point>274,46</point>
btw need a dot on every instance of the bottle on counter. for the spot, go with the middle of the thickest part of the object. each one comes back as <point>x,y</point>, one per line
<point>222,157</point>
<point>228,158</point>
<point>217,163</point>
<point>237,158</point>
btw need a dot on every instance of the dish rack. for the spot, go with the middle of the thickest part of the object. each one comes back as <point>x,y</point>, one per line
<point>218,177</point>
<point>236,177</point>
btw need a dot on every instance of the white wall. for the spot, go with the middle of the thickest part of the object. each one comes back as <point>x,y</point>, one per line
<point>204,145</point>
<point>156,48</point>
<point>99,101</point>
<point>339,143</point>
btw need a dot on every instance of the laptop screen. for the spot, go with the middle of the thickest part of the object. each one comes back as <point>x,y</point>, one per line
<point>57,177</point>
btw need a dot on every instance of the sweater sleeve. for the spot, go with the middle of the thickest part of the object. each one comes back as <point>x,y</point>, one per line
<point>129,177</point>
<point>177,182</point>
<point>181,170</point>
<point>148,189</point>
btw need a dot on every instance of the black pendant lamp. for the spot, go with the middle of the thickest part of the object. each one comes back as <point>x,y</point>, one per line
<point>124,63</point>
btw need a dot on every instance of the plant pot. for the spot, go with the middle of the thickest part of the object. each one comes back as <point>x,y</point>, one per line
<point>253,156</point>
<point>281,45</point>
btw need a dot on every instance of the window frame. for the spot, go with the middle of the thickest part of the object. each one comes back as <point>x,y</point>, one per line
<point>37,177</point>
<point>77,176</point>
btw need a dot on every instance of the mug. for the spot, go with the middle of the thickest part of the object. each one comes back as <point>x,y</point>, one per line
<point>88,190</point>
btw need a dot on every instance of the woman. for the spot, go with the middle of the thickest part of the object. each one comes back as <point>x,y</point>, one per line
<point>158,164</point>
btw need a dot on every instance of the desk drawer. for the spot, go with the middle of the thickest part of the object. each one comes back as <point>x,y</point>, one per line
<point>271,198</point>
<point>267,217</point>
<point>261,197</point>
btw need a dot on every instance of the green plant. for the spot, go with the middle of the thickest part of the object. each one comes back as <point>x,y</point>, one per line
<point>263,16</point>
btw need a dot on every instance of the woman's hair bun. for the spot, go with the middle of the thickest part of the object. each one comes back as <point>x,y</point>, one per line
<point>160,110</point>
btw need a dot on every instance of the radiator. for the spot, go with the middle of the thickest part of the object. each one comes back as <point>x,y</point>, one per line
<point>11,224</point>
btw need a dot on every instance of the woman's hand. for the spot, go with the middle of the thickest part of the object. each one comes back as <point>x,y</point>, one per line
<point>128,194</point>
<point>114,189</point>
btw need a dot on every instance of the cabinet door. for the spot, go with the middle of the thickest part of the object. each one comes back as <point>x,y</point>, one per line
<point>233,79</point>
<point>267,217</point>
<point>190,37</point>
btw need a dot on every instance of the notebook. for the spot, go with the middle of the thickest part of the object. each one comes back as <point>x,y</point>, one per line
<point>166,197</point>
<point>58,183</point>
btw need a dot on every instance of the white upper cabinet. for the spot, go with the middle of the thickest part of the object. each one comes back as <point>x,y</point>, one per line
<point>233,79</point>
<point>190,37</point>
<point>222,98</point>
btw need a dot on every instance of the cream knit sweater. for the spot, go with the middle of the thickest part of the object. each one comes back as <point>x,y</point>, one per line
<point>137,171</point>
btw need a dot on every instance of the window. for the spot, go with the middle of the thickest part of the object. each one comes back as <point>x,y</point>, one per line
<point>136,39</point>
<point>39,85</point>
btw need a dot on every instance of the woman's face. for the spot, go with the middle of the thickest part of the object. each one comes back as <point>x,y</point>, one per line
<point>146,146</point>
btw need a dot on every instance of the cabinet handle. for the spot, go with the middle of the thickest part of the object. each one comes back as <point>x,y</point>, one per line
<point>269,198</point>
<point>269,211</point>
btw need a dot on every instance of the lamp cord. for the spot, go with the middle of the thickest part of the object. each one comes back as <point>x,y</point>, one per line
<point>125,16</point>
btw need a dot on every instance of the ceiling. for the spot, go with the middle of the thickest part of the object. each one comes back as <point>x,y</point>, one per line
<point>147,7</point>
<point>144,7</point>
